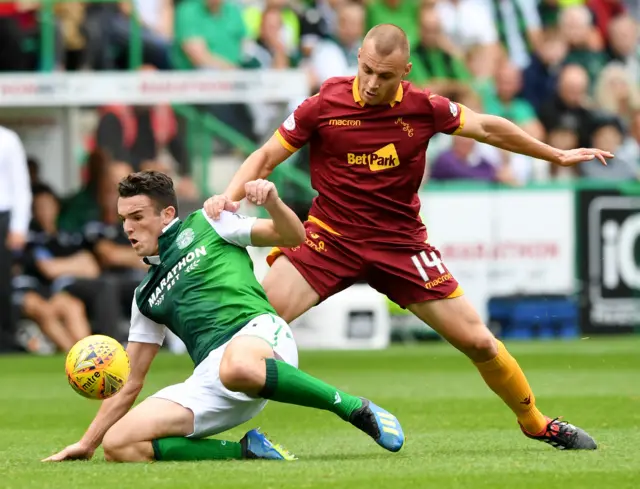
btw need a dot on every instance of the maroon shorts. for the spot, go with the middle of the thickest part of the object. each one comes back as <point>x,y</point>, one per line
<point>406,273</point>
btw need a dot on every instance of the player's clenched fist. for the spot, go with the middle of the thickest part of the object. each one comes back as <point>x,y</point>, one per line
<point>218,203</point>
<point>261,192</point>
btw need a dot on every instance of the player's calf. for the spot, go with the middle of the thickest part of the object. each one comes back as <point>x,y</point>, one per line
<point>132,452</point>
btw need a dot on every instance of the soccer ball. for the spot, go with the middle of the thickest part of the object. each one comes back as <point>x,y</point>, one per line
<point>97,367</point>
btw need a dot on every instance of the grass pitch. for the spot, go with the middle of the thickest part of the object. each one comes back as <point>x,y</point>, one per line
<point>459,435</point>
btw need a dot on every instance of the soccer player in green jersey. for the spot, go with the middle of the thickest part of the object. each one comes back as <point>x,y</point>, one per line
<point>201,286</point>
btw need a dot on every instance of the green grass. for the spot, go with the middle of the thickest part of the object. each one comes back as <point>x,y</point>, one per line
<point>459,435</point>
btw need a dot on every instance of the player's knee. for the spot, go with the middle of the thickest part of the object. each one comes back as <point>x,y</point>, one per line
<point>240,374</point>
<point>481,347</point>
<point>118,449</point>
<point>114,446</point>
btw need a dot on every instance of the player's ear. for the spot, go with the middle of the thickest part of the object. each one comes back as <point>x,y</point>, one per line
<point>407,69</point>
<point>168,214</point>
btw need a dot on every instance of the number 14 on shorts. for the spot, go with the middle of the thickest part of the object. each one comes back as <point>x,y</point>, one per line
<point>424,262</point>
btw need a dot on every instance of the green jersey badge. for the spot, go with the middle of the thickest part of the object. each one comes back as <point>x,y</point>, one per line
<point>185,238</point>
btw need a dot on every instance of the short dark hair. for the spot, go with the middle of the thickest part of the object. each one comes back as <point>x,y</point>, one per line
<point>156,185</point>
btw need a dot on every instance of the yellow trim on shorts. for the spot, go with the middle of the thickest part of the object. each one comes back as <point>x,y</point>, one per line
<point>456,293</point>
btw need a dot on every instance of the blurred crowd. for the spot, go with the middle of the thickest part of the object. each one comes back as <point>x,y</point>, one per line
<point>565,71</point>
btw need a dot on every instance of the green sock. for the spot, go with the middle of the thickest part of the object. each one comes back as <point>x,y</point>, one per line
<point>292,386</point>
<point>179,448</point>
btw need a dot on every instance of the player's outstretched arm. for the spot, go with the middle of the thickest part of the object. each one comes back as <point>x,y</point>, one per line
<point>504,134</point>
<point>140,357</point>
<point>284,228</point>
<point>259,164</point>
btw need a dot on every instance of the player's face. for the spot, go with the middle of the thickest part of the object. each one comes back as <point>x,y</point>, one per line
<point>380,76</point>
<point>143,223</point>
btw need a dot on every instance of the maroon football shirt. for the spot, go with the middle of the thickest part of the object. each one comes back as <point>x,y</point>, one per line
<point>367,162</point>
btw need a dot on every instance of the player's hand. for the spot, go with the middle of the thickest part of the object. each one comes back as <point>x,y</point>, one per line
<point>218,203</point>
<point>76,451</point>
<point>575,156</point>
<point>261,192</point>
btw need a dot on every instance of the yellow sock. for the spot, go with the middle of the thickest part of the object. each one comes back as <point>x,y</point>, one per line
<point>505,377</point>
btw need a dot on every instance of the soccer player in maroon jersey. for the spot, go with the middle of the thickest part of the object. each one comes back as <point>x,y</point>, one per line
<point>368,136</point>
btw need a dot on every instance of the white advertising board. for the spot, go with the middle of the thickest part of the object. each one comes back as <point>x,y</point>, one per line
<point>203,87</point>
<point>504,242</point>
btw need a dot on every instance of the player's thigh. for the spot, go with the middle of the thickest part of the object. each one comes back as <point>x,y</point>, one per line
<point>410,274</point>
<point>214,408</point>
<point>263,337</point>
<point>151,419</point>
<point>242,366</point>
<point>415,277</point>
<point>303,276</point>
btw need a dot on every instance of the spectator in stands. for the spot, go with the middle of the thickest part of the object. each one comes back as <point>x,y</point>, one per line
<point>437,63</point>
<point>108,27</point>
<point>400,12</point>
<point>506,103</point>
<point>585,44</point>
<point>63,263</point>
<point>541,76</point>
<point>82,207</point>
<point>609,135</point>
<point>319,20</point>
<point>15,213</point>
<point>519,28</point>
<point>624,44</point>
<point>469,24</point>
<point>210,35</point>
<point>462,163</point>
<point>60,316</point>
<point>288,29</point>
<point>603,12</point>
<point>616,92</point>
<point>140,133</point>
<point>20,37</point>
<point>270,49</point>
<point>157,16</point>
<point>339,56</point>
<point>571,101</point>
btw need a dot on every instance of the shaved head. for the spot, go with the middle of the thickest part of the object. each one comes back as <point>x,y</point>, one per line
<point>383,62</point>
<point>387,39</point>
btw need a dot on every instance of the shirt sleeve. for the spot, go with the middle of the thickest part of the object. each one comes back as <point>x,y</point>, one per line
<point>187,24</point>
<point>297,129</point>
<point>20,185</point>
<point>143,329</point>
<point>233,228</point>
<point>448,116</point>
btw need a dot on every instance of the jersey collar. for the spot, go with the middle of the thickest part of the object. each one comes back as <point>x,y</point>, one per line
<point>155,259</point>
<point>357,99</point>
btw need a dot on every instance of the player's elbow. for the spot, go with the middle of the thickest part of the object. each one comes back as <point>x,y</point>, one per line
<point>492,129</point>
<point>300,236</point>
